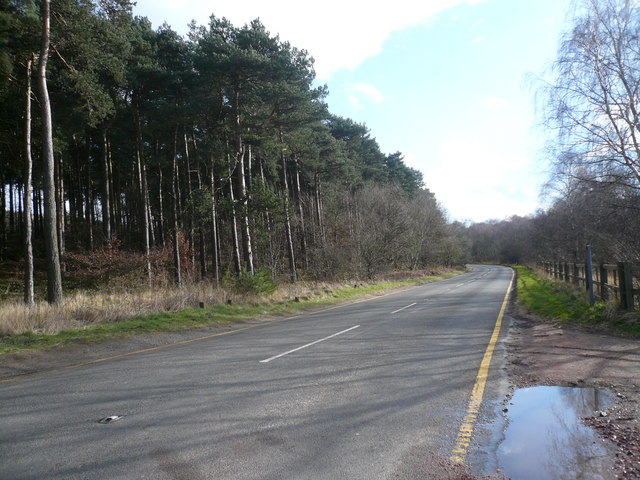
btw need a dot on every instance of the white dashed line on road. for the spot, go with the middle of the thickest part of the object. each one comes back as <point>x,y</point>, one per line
<point>400,309</point>
<point>308,345</point>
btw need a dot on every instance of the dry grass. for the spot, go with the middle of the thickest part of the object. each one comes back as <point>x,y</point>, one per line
<point>122,299</point>
<point>83,309</point>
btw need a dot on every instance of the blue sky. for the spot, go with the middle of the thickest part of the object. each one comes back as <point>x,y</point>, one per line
<point>445,82</point>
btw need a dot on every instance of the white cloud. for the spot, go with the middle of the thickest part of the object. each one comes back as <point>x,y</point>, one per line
<point>369,91</point>
<point>478,40</point>
<point>477,181</point>
<point>355,102</point>
<point>339,34</point>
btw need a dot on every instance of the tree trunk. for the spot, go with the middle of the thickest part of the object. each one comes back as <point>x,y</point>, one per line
<point>54,276</point>
<point>234,226</point>
<point>28,247</point>
<point>318,205</point>
<point>190,227</point>
<point>161,226</point>
<point>142,186</point>
<point>174,203</point>
<point>287,219</point>
<point>150,219</point>
<point>303,232</point>
<point>106,208</point>
<point>247,251</point>
<point>3,217</point>
<point>214,225</point>
<point>201,228</point>
<point>88,192</point>
<point>90,211</point>
<point>60,210</point>
<point>116,214</point>
<point>20,209</point>
<point>12,208</point>
<point>267,214</point>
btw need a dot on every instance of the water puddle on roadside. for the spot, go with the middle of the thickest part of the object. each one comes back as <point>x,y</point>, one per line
<point>546,439</point>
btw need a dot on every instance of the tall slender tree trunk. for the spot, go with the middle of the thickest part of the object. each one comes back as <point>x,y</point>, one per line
<point>3,217</point>
<point>12,208</point>
<point>188,191</point>
<point>267,214</point>
<point>214,225</point>
<point>87,191</point>
<point>105,203</point>
<point>54,275</point>
<point>39,213</point>
<point>234,226</point>
<point>142,186</point>
<point>28,246</point>
<point>201,229</point>
<point>318,206</point>
<point>61,211</point>
<point>174,203</point>
<point>20,209</point>
<point>150,218</point>
<point>303,231</point>
<point>287,218</point>
<point>90,211</point>
<point>161,226</point>
<point>247,251</point>
<point>116,214</point>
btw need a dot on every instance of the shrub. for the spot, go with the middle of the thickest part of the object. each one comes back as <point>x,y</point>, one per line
<point>260,283</point>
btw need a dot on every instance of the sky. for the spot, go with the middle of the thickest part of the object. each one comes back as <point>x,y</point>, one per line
<point>449,83</point>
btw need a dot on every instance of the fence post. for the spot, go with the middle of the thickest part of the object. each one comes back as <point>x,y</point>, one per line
<point>604,282</point>
<point>567,273</point>
<point>588,274</point>
<point>626,286</point>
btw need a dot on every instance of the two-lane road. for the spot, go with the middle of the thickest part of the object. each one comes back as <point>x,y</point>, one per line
<point>369,390</point>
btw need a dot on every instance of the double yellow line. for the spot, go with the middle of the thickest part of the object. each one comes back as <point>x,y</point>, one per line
<point>463,439</point>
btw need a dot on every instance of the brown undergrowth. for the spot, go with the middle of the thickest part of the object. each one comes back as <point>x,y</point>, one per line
<point>126,296</point>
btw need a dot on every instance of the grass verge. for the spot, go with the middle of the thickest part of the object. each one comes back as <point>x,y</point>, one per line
<point>241,309</point>
<point>564,303</point>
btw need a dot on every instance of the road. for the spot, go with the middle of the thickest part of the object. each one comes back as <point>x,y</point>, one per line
<point>370,390</point>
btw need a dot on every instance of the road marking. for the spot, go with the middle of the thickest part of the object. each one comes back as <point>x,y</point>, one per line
<point>206,337</point>
<point>400,309</point>
<point>466,429</point>
<point>308,345</point>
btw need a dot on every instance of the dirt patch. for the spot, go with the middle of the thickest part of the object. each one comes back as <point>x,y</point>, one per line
<point>545,353</point>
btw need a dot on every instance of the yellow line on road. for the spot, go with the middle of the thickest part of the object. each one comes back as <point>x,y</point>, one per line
<point>466,429</point>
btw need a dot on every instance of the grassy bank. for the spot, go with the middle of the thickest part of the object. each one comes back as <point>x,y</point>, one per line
<point>91,318</point>
<point>564,303</point>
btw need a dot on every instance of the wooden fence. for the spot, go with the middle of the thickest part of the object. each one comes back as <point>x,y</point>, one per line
<point>619,281</point>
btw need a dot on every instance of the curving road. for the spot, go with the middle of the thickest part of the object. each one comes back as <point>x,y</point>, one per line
<point>371,390</point>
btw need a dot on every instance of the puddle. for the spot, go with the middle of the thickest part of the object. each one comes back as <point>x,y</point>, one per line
<point>545,438</point>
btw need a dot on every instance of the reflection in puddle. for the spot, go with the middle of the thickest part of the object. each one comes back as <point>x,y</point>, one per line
<point>545,438</point>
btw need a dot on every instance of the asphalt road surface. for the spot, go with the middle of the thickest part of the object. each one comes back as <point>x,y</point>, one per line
<point>371,390</point>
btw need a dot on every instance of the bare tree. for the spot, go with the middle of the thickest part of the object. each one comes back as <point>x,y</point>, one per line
<point>595,100</point>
